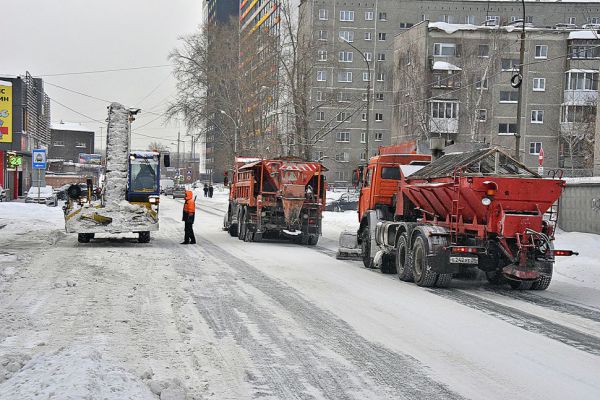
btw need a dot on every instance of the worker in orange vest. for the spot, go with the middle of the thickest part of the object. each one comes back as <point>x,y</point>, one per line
<point>189,211</point>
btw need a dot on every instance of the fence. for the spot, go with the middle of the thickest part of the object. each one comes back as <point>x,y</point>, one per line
<point>580,206</point>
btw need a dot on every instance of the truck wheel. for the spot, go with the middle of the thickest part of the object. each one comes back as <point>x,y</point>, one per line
<point>388,264</point>
<point>403,266</point>
<point>313,240</point>
<point>84,237</point>
<point>422,272</point>
<point>241,228</point>
<point>366,248</point>
<point>544,281</point>
<point>144,237</point>
<point>443,280</point>
<point>520,285</point>
<point>494,277</point>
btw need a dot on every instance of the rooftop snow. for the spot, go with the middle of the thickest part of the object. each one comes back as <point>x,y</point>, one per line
<point>445,66</point>
<point>5,83</point>
<point>582,70</point>
<point>70,126</point>
<point>451,28</point>
<point>588,35</point>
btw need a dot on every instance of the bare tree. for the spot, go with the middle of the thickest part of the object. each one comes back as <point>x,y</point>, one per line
<point>158,147</point>
<point>577,135</point>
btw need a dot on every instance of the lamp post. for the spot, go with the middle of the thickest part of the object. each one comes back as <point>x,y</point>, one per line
<point>521,75</point>
<point>368,95</point>
<point>237,128</point>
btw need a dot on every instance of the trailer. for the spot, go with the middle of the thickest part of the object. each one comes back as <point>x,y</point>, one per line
<point>480,209</point>
<point>277,198</point>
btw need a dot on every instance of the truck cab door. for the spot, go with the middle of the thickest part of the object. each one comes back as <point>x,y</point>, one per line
<point>365,193</point>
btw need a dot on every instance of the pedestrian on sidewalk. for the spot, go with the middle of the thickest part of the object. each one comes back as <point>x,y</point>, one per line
<point>210,191</point>
<point>189,211</point>
<point>205,190</point>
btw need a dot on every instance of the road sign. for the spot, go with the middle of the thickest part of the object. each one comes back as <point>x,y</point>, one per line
<point>541,157</point>
<point>540,170</point>
<point>38,158</point>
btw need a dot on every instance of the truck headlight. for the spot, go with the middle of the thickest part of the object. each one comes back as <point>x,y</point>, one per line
<point>486,201</point>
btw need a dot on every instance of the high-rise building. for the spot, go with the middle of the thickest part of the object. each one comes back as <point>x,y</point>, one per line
<point>219,11</point>
<point>338,82</point>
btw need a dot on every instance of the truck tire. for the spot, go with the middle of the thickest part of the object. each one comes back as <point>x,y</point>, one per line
<point>494,277</point>
<point>366,248</point>
<point>388,264</point>
<point>144,237</point>
<point>403,259</point>
<point>84,237</point>
<point>443,280</point>
<point>544,281</point>
<point>520,285</point>
<point>242,224</point>
<point>422,272</point>
<point>313,240</point>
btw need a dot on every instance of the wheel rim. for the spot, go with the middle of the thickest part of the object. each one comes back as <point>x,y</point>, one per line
<point>418,260</point>
<point>401,257</point>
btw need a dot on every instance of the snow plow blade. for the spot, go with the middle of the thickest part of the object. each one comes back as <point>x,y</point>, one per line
<point>348,247</point>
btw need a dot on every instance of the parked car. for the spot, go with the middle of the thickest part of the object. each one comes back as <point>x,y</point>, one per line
<point>166,186</point>
<point>42,195</point>
<point>179,192</point>
<point>3,194</point>
<point>347,201</point>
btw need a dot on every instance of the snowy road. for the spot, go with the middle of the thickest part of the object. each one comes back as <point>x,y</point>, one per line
<point>231,320</point>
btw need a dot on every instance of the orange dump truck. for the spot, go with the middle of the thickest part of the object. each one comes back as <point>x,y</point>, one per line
<point>277,198</point>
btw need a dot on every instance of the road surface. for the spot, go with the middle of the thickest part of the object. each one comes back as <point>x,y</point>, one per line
<point>225,319</point>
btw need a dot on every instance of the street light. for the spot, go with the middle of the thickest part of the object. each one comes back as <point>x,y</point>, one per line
<point>237,128</point>
<point>341,39</point>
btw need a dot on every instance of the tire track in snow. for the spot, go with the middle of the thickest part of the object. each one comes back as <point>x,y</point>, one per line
<point>524,320</point>
<point>328,359</point>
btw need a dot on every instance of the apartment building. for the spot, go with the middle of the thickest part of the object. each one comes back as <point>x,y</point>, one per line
<point>367,28</point>
<point>456,82</point>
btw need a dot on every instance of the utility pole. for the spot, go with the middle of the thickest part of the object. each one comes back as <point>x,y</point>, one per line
<point>178,159</point>
<point>520,77</point>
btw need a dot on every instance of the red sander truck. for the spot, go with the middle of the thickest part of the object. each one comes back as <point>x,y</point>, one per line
<point>479,209</point>
<point>283,197</point>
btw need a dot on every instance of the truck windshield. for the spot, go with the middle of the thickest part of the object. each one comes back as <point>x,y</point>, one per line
<point>143,175</point>
<point>390,173</point>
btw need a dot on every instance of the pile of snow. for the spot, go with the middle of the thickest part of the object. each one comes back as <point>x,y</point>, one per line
<point>70,126</point>
<point>78,372</point>
<point>583,269</point>
<point>581,180</point>
<point>31,219</point>
<point>117,154</point>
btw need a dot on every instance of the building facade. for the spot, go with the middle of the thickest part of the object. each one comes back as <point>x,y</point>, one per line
<point>456,82</point>
<point>219,11</point>
<point>69,140</point>
<point>30,122</point>
<point>339,83</point>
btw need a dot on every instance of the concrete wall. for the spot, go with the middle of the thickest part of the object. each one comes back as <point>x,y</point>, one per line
<point>580,208</point>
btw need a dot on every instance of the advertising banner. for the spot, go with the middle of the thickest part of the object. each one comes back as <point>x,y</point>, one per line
<point>94,159</point>
<point>5,112</point>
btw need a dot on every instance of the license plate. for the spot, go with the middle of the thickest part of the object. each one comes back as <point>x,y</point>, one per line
<point>464,260</point>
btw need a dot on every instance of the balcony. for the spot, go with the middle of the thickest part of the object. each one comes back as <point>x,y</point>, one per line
<point>580,97</point>
<point>443,125</point>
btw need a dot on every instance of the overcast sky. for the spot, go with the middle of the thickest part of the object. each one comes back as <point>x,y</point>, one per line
<point>47,37</point>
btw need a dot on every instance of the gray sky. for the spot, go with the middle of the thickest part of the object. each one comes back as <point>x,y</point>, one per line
<point>48,37</point>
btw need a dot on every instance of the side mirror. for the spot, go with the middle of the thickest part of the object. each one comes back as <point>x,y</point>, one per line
<point>167,160</point>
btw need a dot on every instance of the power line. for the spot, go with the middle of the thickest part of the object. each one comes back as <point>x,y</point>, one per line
<point>105,70</point>
<point>79,93</point>
<point>77,112</point>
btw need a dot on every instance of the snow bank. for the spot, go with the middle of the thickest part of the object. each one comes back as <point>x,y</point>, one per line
<point>584,269</point>
<point>78,372</point>
<point>36,220</point>
<point>589,179</point>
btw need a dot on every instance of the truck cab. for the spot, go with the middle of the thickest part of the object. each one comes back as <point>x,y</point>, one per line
<point>144,176</point>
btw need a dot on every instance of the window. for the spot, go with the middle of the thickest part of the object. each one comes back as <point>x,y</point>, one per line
<point>508,64</point>
<point>319,95</point>
<point>346,56</point>
<point>541,51</point>
<point>320,116</point>
<point>529,19</point>
<point>378,96</point>
<point>380,77</point>
<point>363,156</point>
<point>470,19</point>
<point>58,143</point>
<point>322,35</point>
<point>537,116</point>
<point>481,115</point>
<point>535,148</point>
<point>348,36</point>
<point>481,84</point>
<point>320,155</point>
<point>390,173</point>
<point>342,137</point>
<point>507,129</point>
<point>363,117</point>
<point>446,18</point>
<point>366,76</point>
<point>492,20</point>
<point>484,50</point>
<point>578,114</point>
<point>342,157</point>
<point>509,96</point>
<point>378,136</point>
<point>593,20</point>
<point>424,17</point>
<point>444,109</point>
<point>381,36</point>
<point>378,117</point>
<point>383,16</point>
<point>368,55</point>
<point>342,117</point>
<point>347,16</point>
<point>369,15</point>
<point>363,137</point>
<point>79,144</point>
<point>581,80</point>
<point>584,49</point>
<point>365,97</point>
<point>345,76</point>
<point>368,36</point>
<point>323,14</point>
<point>342,175</point>
<point>539,84</point>
<point>573,20</point>
<point>444,49</point>
<point>321,76</point>
<point>322,55</point>
<point>381,57</point>
<point>405,25</point>
<point>513,18</point>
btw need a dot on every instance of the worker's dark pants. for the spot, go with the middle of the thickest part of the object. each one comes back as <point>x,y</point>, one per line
<point>189,233</point>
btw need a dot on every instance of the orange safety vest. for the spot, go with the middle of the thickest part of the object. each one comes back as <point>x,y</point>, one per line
<point>189,205</point>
